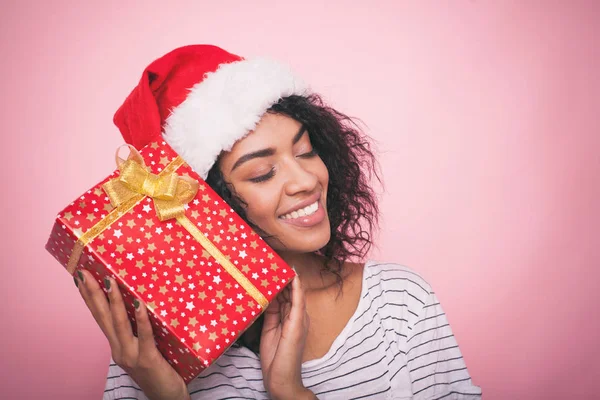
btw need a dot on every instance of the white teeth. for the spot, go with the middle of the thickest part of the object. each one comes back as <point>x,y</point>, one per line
<point>303,212</point>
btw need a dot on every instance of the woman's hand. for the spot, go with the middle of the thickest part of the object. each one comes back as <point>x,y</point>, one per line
<point>284,332</point>
<point>138,356</point>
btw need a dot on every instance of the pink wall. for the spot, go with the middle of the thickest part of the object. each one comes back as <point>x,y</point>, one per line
<point>487,115</point>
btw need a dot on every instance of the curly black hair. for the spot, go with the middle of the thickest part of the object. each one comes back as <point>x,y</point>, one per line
<point>351,201</point>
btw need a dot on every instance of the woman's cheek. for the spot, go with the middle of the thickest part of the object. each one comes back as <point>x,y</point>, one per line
<point>258,212</point>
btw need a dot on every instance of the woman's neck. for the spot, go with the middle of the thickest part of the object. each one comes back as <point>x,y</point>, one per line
<point>310,268</point>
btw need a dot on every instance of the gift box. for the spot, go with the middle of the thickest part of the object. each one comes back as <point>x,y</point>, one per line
<point>167,238</point>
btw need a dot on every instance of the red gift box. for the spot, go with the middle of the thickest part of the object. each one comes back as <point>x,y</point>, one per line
<point>167,238</point>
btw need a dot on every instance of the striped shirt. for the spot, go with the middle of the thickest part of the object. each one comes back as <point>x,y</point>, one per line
<point>397,345</point>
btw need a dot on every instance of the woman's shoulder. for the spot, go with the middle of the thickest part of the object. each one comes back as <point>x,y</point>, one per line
<point>394,278</point>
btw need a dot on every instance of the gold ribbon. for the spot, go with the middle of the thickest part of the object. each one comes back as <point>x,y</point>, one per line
<point>170,193</point>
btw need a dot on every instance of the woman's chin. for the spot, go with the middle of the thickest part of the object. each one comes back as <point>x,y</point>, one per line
<point>291,238</point>
<point>302,243</point>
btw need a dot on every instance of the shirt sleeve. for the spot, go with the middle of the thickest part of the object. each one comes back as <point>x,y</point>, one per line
<point>436,366</point>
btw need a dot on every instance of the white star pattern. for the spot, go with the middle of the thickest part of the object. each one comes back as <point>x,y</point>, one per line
<point>217,279</point>
<point>118,233</point>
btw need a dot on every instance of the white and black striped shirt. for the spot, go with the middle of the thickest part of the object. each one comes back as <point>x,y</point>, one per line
<point>397,345</point>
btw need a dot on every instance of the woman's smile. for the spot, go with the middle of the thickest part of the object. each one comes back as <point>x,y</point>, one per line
<point>306,217</point>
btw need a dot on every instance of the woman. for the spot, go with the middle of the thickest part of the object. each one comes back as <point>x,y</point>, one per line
<point>298,171</point>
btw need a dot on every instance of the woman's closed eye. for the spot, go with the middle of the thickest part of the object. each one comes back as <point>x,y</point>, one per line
<point>309,154</point>
<point>264,177</point>
<point>271,173</point>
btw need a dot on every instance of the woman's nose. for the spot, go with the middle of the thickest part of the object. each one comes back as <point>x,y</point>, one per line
<point>299,179</point>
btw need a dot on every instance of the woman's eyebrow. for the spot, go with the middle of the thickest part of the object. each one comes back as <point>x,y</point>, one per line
<point>299,135</point>
<point>255,154</point>
<point>266,152</point>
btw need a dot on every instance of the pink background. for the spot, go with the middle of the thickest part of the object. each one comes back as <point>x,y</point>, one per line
<point>486,114</point>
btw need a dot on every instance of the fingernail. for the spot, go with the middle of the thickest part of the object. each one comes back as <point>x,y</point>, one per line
<point>75,280</point>
<point>80,275</point>
<point>136,304</point>
<point>107,283</point>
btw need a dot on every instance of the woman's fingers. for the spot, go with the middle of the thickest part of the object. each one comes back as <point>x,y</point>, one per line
<point>95,300</point>
<point>298,312</point>
<point>272,315</point>
<point>298,301</point>
<point>285,294</point>
<point>120,319</point>
<point>293,314</point>
<point>144,329</point>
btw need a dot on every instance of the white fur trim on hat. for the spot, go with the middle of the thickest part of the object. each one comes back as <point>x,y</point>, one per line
<point>225,107</point>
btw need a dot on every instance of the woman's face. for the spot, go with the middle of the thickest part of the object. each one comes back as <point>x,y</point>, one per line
<point>283,182</point>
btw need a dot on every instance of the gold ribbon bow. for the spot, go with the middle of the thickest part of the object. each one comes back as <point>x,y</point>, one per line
<point>169,191</point>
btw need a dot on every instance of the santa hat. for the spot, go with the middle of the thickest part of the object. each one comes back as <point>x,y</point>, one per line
<point>202,100</point>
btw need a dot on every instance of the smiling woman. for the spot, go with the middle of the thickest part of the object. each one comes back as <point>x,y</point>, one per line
<point>299,172</point>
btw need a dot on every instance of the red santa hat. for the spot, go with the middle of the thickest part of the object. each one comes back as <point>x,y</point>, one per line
<point>202,99</point>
